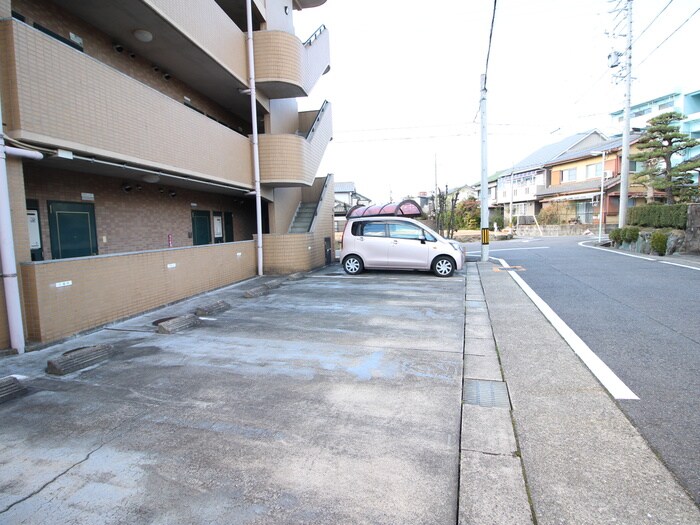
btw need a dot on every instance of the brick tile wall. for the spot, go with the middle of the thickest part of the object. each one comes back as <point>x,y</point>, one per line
<point>134,221</point>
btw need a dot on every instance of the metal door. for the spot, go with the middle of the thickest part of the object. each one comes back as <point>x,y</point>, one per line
<point>72,229</point>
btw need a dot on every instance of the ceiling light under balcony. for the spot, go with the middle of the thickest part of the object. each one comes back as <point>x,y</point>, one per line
<point>143,36</point>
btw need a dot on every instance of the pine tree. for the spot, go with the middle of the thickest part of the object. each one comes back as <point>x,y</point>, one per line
<point>660,142</point>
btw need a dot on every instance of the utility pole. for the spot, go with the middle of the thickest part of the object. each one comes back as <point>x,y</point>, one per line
<point>484,177</point>
<point>627,76</point>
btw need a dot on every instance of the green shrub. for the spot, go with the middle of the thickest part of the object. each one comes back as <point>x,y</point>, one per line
<point>616,235</point>
<point>630,234</point>
<point>658,242</point>
<point>659,215</point>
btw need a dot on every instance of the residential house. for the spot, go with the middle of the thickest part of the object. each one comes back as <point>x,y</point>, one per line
<point>686,103</point>
<point>346,196</point>
<point>141,189</point>
<point>492,190</point>
<point>518,187</point>
<point>574,192</point>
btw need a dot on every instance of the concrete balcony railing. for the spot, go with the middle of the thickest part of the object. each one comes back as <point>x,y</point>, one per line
<point>285,67</point>
<point>66,99</point>
<point>293,160</point>
<point>210,29</point>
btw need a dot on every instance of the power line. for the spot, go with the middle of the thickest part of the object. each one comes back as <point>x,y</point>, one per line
<point>488,52</point>
<point>653,20</point>
<point>669,36</point>
<point>488,55</point>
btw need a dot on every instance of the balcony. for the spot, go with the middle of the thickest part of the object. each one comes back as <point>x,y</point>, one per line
<point>66,99</point>
<point>202,47</point>
<point>287,68</point>
<point>293,159</point>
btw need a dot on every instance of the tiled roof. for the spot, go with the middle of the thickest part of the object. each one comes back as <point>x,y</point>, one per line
<point>549,153</point>
<point>607,146</point>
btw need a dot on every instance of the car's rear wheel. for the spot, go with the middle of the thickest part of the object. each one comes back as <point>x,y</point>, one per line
<point>353,265</point>
<point>443,266</point>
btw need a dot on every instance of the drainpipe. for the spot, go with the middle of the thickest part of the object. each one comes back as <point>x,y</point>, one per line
<point>254,117</point>
<point>7,247</point>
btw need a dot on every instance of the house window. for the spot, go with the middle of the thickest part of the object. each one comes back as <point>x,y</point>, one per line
<point>594,170</point>
<point>569,175</point>
<point>666,105</point>
<point>584,212</point>
<point>636,166</point>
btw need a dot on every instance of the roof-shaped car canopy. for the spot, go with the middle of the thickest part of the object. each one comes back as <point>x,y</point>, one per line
<point>407,208</point>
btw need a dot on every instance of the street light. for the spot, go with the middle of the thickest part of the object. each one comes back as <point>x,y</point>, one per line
<point>600,204</point>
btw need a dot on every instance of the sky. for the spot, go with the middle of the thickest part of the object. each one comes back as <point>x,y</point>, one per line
<point>404,82</point>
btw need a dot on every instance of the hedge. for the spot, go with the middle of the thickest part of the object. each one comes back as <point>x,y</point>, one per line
<point>659,215</point>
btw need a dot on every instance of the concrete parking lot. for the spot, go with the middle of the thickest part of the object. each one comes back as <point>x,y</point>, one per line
<point>330,399</point>
<point>384,398</point>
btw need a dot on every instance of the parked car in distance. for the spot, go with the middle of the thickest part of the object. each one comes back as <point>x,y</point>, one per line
<point>397,243</point>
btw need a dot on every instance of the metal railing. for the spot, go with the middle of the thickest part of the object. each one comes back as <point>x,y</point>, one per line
<point>315,36</point>
<point>317,120</point>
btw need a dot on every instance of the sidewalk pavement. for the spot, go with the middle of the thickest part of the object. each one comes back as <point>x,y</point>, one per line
<point>583,462</point>
<point>386,398</point>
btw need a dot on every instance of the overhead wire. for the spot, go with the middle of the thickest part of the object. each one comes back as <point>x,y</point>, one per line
<point>669,36</point>
<point>653,20</point>
<point>488,54</point>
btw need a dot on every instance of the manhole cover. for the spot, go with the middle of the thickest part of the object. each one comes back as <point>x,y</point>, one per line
<point>486,393</point>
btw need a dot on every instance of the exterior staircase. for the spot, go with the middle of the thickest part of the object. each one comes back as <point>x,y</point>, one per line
<point>303,217</point>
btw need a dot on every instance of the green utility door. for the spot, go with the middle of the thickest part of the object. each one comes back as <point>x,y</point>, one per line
<point>201,227</point>
<point>72,229</point>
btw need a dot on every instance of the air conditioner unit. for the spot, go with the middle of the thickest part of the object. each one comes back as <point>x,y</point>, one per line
<point>608,174</point>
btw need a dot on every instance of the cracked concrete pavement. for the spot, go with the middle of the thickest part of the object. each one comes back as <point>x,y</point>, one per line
<point>330,399</point>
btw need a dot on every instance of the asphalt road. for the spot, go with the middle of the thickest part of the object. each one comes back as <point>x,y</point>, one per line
<point>641,318</point>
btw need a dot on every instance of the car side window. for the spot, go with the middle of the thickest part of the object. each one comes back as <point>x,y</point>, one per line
<point>403,230</point>
<point>374,229</point>
<point>429,236</point>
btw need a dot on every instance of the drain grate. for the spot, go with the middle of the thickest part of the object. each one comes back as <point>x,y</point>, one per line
<point>486,393</point>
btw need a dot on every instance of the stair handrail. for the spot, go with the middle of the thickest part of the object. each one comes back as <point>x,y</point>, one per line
<point>317,120</point>
<point>318,204</point>
<point>315,36</point>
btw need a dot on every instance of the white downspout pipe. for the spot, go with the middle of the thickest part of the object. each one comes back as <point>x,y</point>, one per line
<point>7,247</point>
<point>254,117</point>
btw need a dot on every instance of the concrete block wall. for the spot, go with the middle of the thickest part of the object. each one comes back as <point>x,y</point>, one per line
<point>69,296</point>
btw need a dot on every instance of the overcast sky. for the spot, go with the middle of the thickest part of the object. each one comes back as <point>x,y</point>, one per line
<point>405,81</point>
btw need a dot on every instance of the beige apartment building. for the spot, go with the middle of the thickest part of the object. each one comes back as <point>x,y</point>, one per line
<point>130,161</point>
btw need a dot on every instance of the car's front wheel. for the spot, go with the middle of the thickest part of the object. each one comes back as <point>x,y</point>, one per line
<point>353,265</point>
<point>443,266</point>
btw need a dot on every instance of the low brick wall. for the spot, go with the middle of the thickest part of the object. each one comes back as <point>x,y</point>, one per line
<point>65,297</point>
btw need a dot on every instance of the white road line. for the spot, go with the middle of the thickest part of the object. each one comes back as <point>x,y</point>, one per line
<point>598,368</point>
<point>637,256</point>
<point>513,249</point>
<point>614,252</point>
<point>681,265</point>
